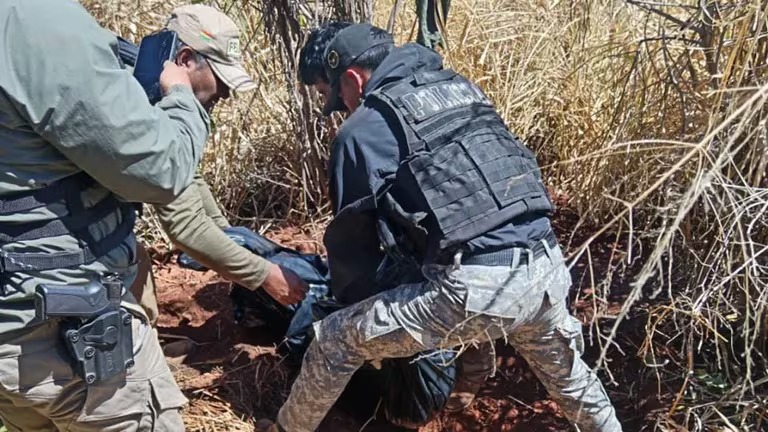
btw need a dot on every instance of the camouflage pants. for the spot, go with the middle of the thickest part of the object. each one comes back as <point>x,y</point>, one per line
<point>458,306</point>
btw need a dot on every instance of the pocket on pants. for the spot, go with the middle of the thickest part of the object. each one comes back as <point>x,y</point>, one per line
<point>166,394</point>
<point>143,391</point>
<point>377,322</point>
<point>139,399</point>
<point>115,400</point>
<point>571,331</point>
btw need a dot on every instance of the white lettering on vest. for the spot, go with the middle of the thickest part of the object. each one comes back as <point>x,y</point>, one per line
<point>427,102</point>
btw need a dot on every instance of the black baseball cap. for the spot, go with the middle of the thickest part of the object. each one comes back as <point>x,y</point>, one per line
<point>342,52</point>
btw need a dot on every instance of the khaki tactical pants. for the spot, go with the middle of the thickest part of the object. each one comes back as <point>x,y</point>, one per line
<point>143,288</point>
<point>39,392</point>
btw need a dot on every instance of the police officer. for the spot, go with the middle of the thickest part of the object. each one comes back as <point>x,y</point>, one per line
<point>78,140</point>
<point>193,220</point>
<point>372,271</point>
<point>425,170</point>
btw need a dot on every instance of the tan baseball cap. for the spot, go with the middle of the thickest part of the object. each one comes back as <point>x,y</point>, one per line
<point>214,35</point>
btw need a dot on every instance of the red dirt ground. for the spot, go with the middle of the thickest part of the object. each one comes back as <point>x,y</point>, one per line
<point>235,369</point>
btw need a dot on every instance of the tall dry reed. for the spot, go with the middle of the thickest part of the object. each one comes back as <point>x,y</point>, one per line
<point>648,116</point>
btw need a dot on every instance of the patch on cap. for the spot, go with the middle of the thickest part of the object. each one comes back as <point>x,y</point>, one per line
<point>333,59</point>
<point>233,47</point>
<point>206,36</point>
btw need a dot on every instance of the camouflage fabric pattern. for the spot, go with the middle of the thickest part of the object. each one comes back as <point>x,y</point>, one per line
<point>475,364</point>
<point>525,304</point>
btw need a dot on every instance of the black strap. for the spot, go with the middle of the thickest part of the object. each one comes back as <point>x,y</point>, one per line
<point>66,225</point>
<point>29,200</point>
<point>127,52</point>
<point>15,262</point>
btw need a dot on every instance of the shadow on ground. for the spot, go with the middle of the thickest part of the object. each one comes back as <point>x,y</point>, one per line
<point>233,376</point>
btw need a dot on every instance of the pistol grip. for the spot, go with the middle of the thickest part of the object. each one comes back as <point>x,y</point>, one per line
<point>77,301</point>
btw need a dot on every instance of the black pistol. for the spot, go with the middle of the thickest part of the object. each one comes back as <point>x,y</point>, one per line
<point>96,330</point>
<point>74,301</point>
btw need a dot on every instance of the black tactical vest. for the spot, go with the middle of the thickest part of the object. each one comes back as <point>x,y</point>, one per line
<point>465,173</point>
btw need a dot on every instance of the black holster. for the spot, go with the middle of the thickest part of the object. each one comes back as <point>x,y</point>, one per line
<point>102,347</point>
<point>97,332</point>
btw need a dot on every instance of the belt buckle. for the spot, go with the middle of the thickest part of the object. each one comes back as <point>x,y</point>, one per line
<point>457,259</point>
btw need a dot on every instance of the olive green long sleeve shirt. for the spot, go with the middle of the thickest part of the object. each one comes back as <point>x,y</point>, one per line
<point>194,223</point>
<point>67,106</point>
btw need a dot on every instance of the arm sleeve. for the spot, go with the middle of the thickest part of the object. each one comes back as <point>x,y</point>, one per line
<point>60,70</point>
<point>194,232</point>
<point>210,206</point>
<point>363,153</point>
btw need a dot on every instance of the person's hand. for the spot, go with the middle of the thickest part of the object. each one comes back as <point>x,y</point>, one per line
<point>173,75</point>
<point>284,285</point>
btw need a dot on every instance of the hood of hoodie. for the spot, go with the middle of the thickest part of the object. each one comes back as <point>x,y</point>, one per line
<point>403,62</point>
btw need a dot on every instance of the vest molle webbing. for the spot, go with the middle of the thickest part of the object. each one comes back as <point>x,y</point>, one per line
<point>464,168</point>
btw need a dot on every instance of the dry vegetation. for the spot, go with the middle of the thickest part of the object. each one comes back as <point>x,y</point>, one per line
<point>648,117</point>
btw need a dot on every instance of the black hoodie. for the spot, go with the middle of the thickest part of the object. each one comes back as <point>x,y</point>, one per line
<point>364,152</point>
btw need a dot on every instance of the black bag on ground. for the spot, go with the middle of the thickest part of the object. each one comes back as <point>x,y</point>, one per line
<point>432,372</point>
<point>407,390</point>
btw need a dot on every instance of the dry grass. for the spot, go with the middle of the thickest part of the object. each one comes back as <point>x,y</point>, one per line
<point>648,116</point>
<point>227,402</point>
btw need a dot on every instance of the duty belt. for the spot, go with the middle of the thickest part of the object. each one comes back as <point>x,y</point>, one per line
<point>505,257</point>
<point>76,222</point>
